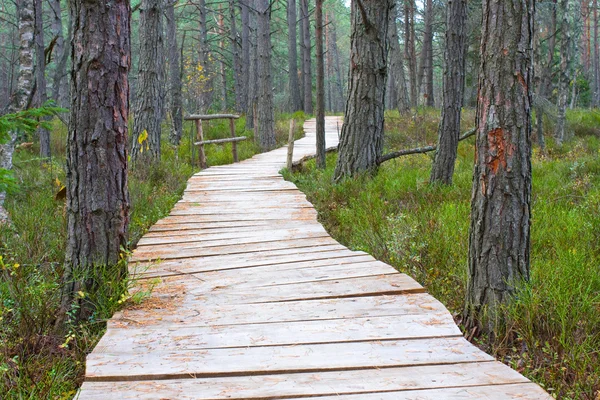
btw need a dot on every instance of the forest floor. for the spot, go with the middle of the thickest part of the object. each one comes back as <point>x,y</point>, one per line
<point>553,336</point>
<point>35,363</point>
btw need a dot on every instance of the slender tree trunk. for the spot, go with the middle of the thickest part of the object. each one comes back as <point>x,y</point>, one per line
<point>546,78</point>
<point>222,33</point>
<point>22,98</point>
<point>596,60</point>
<point>409,49</point>
<point>245,64</point>
<point>308,107</point>
<point>321,161</point>
<point>396,76</point>
<point>425,81</point>
<point>41,94</point>
<point>337,96</point>
<point>361,140</point>
<point>175,106</point>
<point>253,71</point>
<point>97,196</point>
<point>147,107</point>
<point>59,92</point>
<point>563,81</point>
<point>454,84</point>
<point>266,118</point>
<point>294,88</point>
<point>206,95</point>
<point>501,197</point>
<point>237,63</point>
<point>301,22</point>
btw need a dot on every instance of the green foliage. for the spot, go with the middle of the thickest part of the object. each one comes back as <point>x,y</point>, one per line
<point>554,332</point>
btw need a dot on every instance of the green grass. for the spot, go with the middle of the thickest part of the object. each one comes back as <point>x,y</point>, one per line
<point>553,336</point>
<point>35,363</point>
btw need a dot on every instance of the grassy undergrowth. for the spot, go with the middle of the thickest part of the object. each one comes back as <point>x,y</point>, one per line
<point>34,362</point>
<point>554,332</point>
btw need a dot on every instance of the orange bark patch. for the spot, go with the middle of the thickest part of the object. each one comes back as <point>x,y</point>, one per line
<point>522,81</point>
<point>496,150</point>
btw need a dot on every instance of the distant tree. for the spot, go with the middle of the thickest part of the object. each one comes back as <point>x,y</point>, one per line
<point>454,84</point>
<point>147,113</point>
<point>320,114</point>
<point>306,59</point>
<point>294,86</point>
<point>175,107</point>
<point>396,74</point>
<point>41,94</point>
<point>501,196</point>
<point>60,54</point>
<point>409,49</point>
<point>361,141</point>
<point>264,109</point>
<point>97,196</point>
<point>425,82</point>
<point>560,133</point>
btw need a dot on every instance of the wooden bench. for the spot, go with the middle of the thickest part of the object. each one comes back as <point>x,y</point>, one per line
<point>200,135</point>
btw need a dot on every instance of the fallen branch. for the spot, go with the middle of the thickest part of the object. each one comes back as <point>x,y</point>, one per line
<point>418,150</point>
<point>301,161</point>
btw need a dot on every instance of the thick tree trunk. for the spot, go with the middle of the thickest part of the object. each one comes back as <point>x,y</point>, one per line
<point>396,76</point>
<point>361,142</point>
<point>41,94</point>
<point>60,91</point>
<point>266,118</point>
<point>321,161</point>
<point>293,85</point>
<point>147,106</point>
<point>501,197</point>
<point>22,98</point>
<point>97,196</point>
<point>308,107</point>
<point>544,88</point>
<point>175,106</point>
<point>245,73</point>
<point>409,49</point>
<point>563,80</point>
<point>454,84</point>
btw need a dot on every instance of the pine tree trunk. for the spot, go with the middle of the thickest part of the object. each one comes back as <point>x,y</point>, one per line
<point>409,49</point>
<point>204,58</point>
<point>396,77</point>
<point>59,90</point>
<point>361,141</point>
<point>22,99</point>
<point>546,79</point>
<point>253,69</point>
<point>266,118</point>
<point>425,80</point>
<point>222,33</point>
<point>308,107</point>
<point>147,106</point>
<point>563,80</point>
<point>175,106</point>
<point>97,196</point>
<point>245,72</point>
<point>293,86</point>
<point>301,21</point>
<point>336,74</point>
<point>321,161</point>
<point>596,60</point>
<point>41,94</point>
<point>454,84</point>
<point>501,197</point>
<point>237,64</point>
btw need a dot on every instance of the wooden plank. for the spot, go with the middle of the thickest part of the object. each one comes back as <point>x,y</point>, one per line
<point>484,380</point>
<point>280,359</point>
<point>224,140</point>
<point>159,315</point>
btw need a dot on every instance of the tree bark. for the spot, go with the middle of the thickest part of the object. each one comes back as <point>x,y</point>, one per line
<point>321,160</point>
<point>97,196</point>
<point>41,94</point>
<point>308,107</point>
<point>361,141</point>
<point>245,72</point>
<point>563,80</point>
<point>237,63</point>
<point>266,118</point>
<point>59,90</point>
<point>596,60</point>
<point>293,85</point>
<point>222,33</point>
<point>147,105</point>
<point>204,58</point>
<point>396,73</point>
<point>22,98</point>
<point>501,197</point>
<point>426,68</point>
<point>454,84</point>
<point>175,106</point>
<point>253,70</point>
<point>336,74</point>
<point>409,49</point>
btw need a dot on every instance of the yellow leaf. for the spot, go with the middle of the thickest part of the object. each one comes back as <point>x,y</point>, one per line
<point>143,136</point>
<point>58,183</point>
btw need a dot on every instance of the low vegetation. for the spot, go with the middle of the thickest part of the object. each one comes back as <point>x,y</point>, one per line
<point>553,336</point>
<point>34,362</point>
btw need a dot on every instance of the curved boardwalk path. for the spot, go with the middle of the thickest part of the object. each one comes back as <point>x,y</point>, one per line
<point>256,301</point>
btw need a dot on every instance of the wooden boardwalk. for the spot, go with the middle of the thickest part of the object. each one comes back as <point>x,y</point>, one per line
<point>254,300</point>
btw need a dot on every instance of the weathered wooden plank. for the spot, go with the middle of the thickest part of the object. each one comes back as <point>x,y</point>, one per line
<point>485,380</point>
<point>159,315</point>
<point>280,359</point>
